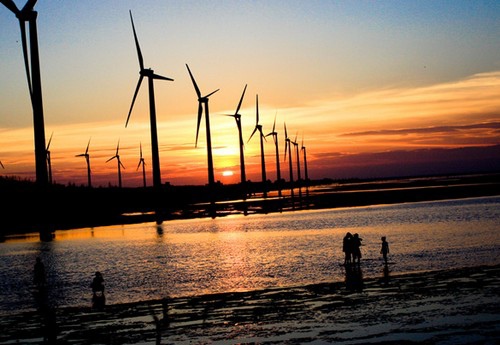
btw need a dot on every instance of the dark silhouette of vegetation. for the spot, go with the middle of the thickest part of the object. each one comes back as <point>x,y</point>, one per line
<point>30,207</point>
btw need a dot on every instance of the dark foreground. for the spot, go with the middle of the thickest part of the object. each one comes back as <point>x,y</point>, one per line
<point>459,306</point>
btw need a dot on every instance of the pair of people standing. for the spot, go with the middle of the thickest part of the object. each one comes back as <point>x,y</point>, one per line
<point>351,247</point>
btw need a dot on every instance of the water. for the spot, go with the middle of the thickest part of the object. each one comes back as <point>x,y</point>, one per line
<point>238,253</point>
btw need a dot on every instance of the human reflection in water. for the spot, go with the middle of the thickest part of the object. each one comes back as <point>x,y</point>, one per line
<point>98,297</point>
<point>39,274</point>
<point>48,320</point>
<point>385,277</point>
<point>353,278</point>
<point>161,323</point>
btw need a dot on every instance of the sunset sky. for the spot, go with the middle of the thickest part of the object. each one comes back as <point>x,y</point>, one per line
<point>372,88</point>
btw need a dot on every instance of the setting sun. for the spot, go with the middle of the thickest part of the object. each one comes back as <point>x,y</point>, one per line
<point>227,173</point>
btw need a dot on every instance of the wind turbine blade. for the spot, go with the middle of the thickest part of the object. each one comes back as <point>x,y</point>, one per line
<point>211,93</point>
<point>25,55</point>
<point>254,130</point>
<point>262,134</point>
<point>139,54</point>
<point>1,164</point>
<point>286,147</point>
<point>111,158</point>
<point>10,5</point>
<point>29,6</point>
<point>140,149</point>
<point>87,149</point>
<point>241,99</point>
<point>121,164</point>
<point>200,112</point>
<point>274,123</point>
<point>117,148</point>
<point>257,105</point>
<point>286,135</point>
<point>194,82</point>
<point>157,76</point>
<point>133,99</point>
<point>50,139</point>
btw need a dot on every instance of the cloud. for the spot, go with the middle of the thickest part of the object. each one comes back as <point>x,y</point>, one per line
<point>495,126</point>
<point>398,163</point>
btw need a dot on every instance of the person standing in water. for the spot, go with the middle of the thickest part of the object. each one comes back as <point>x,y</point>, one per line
<point>356,248</point>
<point>98,297</point>
<point>385,249</point>
<point>346,248</point>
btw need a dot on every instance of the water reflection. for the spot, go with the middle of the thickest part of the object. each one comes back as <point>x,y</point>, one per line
<point>385,277</point>
<point>235,253</point>
<point>43,304</point>
<point>353,277</point>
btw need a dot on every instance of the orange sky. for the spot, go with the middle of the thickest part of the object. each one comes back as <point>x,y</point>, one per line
<point>450,115</point>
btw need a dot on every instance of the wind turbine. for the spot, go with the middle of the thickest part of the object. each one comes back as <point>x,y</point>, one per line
<point>296,145</point>
<point>237,118</point>
<point>143,163</point>
<point>120,165</point>
<point>262,153</point>
<point>1,164</point>
<point>27,14</point>
<point>149,73</point>
<point>47,153</point>
<point>87,159</point>
<point>306,177</point>
<point>274,134</point>
<point>203,103</point>
<point>288,146</point>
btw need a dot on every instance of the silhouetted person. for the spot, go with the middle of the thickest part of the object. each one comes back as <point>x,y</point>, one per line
<point>346,248</point>
<point>385,249</point>
<point>97,285</point>
<point>39,274</point>
<point>356,248</point>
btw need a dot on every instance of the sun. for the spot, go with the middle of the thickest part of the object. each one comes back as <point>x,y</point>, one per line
<point>227,173</point>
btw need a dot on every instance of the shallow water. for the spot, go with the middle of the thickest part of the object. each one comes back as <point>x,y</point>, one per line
<point>238,253</point>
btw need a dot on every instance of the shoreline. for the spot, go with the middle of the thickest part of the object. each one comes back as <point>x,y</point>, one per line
<point>450,306</point>
<point>72,214</point>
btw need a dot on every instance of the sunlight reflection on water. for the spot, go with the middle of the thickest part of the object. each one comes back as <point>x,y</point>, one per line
<point>237,253</point>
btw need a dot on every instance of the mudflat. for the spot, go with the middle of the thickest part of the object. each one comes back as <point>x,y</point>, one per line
<point>458,306</point>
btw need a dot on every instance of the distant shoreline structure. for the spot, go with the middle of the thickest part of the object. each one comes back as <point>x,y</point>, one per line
<point>67,207</point>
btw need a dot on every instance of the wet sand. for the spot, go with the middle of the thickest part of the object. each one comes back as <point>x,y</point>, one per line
<point>459,306</point>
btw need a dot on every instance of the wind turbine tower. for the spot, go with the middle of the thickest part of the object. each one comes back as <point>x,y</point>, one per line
<point>143,163</point>
<point>120,165</point>
<point>297,157</point>
<point>258,127</point>
<point>47,155</point>
<point>237,118</point>
<point>274,134</point>
<point>306,177</point>
<point>149,73</point>
<point>288,146</point>
<point>203,103</point>
<point>32,66</point>
<point>87,159</point>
